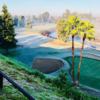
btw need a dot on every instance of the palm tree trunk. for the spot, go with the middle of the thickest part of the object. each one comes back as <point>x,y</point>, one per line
<point>73,76</point>
<point>80,62</point>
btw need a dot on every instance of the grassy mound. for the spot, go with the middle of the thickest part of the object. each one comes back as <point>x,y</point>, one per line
<point>37,84</point>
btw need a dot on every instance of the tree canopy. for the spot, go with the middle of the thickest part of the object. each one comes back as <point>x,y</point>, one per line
<point>68,27</point>
<point>7,33</point>
<point>86,28</point>
<point>72,26</point>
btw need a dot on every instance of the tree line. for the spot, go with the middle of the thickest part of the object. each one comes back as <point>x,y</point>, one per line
<point>86,16</point>
<point>45,17</point>
<point>29,21</point>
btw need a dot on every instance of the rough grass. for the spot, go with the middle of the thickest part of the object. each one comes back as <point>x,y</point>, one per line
<point>32,81</point>
<point>90,71</point>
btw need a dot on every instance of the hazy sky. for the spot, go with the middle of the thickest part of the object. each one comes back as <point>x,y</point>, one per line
<point>55,7</point>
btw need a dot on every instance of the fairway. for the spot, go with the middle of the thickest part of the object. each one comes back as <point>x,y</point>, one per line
<point>90,71</point>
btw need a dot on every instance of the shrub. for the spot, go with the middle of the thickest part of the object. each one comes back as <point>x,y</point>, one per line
<point>60,81</point>
<point>48,80</point>
<point>76,94</point>
<point>39,74</point>
<point>67,89</point>
<point>10,63</point>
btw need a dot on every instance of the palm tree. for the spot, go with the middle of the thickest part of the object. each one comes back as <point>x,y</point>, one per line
<point>67,28</point>
<point>86,32</point>
<point>72,28</point>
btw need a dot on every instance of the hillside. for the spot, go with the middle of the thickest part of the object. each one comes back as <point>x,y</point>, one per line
<point>34,85</point>
<point>37,84</point>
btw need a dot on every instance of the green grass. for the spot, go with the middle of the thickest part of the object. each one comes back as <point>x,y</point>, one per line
<point>40,86</point>
<point>31,80</point>
<point>90,71</point>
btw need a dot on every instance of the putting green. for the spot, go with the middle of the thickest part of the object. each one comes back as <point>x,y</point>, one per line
<point>90,71</point>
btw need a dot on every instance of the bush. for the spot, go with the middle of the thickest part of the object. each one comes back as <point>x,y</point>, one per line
<point>48,80</point>
<point>39,74</point>
<point>76,94</point>
<point>67,89</point>
<point>60,81</point>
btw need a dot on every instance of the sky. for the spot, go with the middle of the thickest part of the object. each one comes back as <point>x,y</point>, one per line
<point>55,7</point>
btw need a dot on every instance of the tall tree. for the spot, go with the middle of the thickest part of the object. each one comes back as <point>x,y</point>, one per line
<point>86,32</point>
<point>72,30</point>
<point>8,32</point>
<point>67,28</point>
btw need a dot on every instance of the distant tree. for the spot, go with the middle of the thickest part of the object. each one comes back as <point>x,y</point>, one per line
<point>40,18</point>
<point>89,16</point>
<point>22,21</point>
<point>34,19</point>
<point>45,16</point>
<point>8,32</point>
<point>66,14</point>
<point>74,14</point>
<point>16,21</point>
<point>86,16</point>
<point>52,19</point>
<point>29,22</point>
